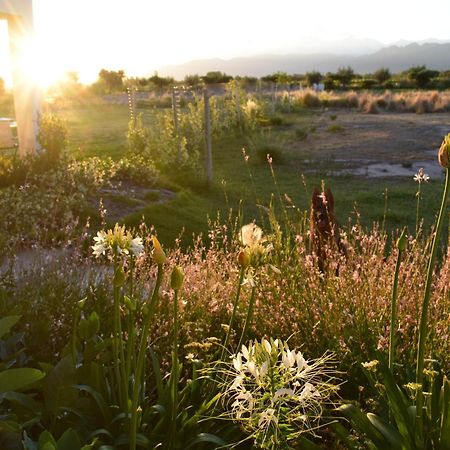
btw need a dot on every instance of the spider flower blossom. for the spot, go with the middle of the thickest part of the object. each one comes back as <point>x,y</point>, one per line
<point>116,241</point>
<point>421,176</point>
<point>274,393</point>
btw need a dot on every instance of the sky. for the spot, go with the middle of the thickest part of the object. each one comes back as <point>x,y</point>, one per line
<point>140,36</point>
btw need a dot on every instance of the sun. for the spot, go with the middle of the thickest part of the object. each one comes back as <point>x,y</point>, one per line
<point>36,65</point>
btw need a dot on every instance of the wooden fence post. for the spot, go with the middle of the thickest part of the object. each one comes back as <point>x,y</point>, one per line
<point>176,111</point>
<point>208,145</point>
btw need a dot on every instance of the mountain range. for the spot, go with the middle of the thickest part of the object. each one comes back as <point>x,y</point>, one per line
<point>396,58</point>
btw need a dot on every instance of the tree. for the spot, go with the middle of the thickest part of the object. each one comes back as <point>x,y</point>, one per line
<point>421,75</point>
<point>345,75</point>
<point>313,77</point>
<point>382,75</point>
<point>192,80</point>
<point>112,80</point>
<point>161,82</point>
<point>2,87</point>
<point>216,77</point>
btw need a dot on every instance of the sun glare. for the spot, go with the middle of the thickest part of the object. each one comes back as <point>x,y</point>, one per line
<point>37,66</point>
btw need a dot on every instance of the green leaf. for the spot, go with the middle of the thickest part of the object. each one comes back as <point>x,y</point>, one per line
<point>46,441</point>
<point>445,411</point>
<point>69,441</point>
<point>158,377</point>
<point>206,437</point>
<point>99,400</point>
<point>398,403</point>
<point>363,425</point>
<point>24,401</point>
<point>57,384</point>
<point>389,432</point>
<point>306,444</point>
<point>17,379</point>
<point>6,323</point>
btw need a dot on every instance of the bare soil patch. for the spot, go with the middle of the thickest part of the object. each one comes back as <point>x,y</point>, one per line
<point>376,145</point>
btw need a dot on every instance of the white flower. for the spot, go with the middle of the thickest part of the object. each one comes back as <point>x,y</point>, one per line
<point>283,392</point>
<point>137,247</point>
<point>100,246</point>
<point>301,363</point>
<point>264,369</point>
<point>267,417</point>
<point>251,234</point>
<point>421,176</point>
<point>267,345</point>
<point>288,358</point>
<point>308,392</point>
<point>237,362</point>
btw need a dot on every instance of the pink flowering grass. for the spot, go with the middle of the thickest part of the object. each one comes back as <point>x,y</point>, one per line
<point>346,314</point>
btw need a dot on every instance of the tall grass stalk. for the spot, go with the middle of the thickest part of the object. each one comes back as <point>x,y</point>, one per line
<point>423,329</point>
<point>401,243</point>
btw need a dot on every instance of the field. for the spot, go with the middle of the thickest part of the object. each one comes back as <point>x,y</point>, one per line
<point>369,163</point>
<point>254,312</point>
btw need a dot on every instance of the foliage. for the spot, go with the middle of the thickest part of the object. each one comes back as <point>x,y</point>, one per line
<point>421,75</point>
<point>216,77</point>
<point>111,79</point>
<point>52,138</point>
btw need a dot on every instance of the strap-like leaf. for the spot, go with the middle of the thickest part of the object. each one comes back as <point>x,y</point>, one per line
<point>388,431</point>
<point>6,323</point>
<point>18,379</point>
<point>205,437</point>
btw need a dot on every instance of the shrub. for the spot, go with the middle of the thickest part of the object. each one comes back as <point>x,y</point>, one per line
<point>52,137</point>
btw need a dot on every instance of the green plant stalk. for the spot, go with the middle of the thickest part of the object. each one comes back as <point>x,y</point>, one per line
<point>117,335</point>
<point>417,210</point>
<point>175,366</point>
<point>251,306</point>
<point>131,330</point>
<point>233,314</point>
<point>394,312</point>
<point>426,300</point>
<point>141,358</point>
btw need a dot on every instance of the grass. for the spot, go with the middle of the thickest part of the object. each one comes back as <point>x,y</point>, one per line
<point>100,130</point>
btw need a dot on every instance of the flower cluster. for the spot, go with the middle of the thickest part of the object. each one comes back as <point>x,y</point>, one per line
<point>117,241</point>
<point>275,393</point>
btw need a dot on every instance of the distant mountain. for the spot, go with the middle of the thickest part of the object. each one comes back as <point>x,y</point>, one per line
<point>396,58</point>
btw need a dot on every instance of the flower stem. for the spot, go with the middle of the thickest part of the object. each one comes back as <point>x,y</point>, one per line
<point>417,210</point>
<point>251,306</point>
<point>426,301</point>
<point>175,366</point>
<point>233,314</point>
<point>141,358</point>
<point>117,334</point>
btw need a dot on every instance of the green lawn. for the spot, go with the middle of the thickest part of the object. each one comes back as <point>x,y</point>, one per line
<point>101,131</point>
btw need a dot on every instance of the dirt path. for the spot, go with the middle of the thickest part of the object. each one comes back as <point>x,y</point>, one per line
<point>378,145</point>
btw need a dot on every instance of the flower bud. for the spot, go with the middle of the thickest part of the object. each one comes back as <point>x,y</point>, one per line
<point>244,259</point>
<point>158,253</point>
<point>444,152</point>
<point>401,241</point>
<point>176,279</point>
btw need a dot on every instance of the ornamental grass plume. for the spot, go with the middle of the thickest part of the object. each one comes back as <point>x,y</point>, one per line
<point>275,394</point>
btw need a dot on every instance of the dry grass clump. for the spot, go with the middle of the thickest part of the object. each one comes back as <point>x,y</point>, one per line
<point>420,102</point>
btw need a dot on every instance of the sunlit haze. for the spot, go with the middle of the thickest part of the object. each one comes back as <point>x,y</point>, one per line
<point>142,36</point>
